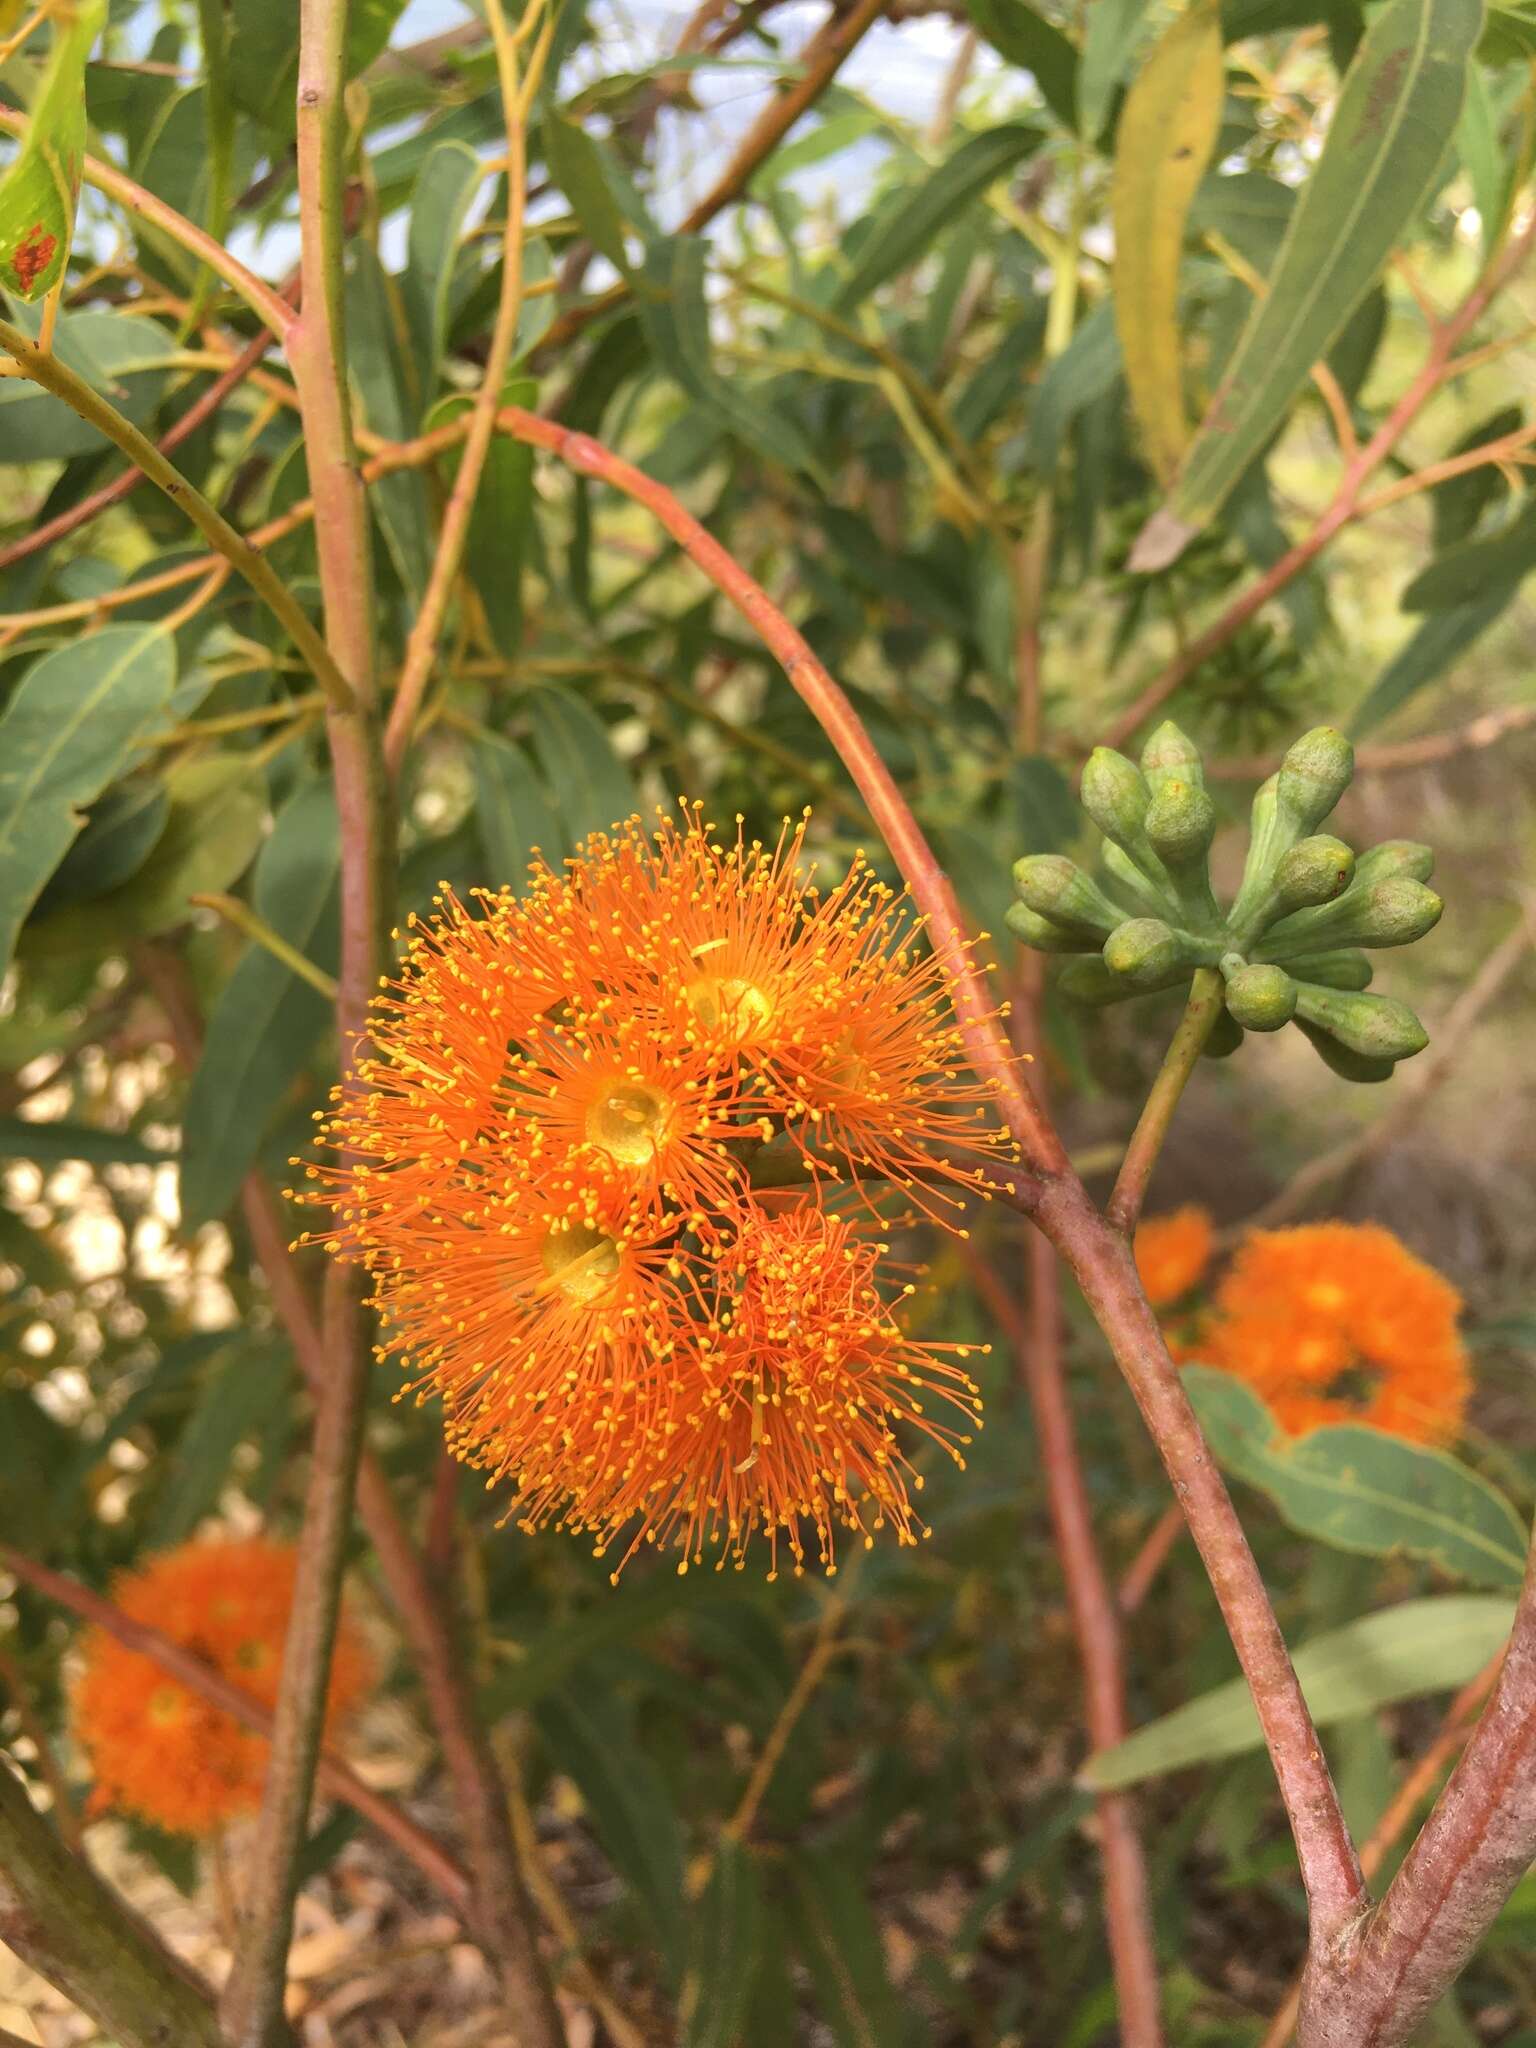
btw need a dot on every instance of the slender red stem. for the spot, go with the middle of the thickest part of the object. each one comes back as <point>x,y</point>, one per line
<point>985,1044</point>
<point>1036,1342</point>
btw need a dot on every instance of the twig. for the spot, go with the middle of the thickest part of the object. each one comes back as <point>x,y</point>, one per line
<point>1141,1573</point>
<point>1189,1040</point>
<point>63,1922</point>
<point>516,98</point>
<point>256,928</point>
<point>824,1647</point>
<point>1392,759</point>
<point>1418,1783</point>
<point>1461,1020</point>
<point>337,1777</point>
<point>52,375</point>
<point>200,411</point>
<point>66,1818</point>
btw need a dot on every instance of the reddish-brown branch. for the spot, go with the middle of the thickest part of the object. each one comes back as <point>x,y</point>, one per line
<point>1036,1342</point>
<point>931,889</point>
<point>1049,1191</point>
<point>337,1777</point>
<point>1371,1986</point>
<point>1103,1265</point>
<point>1418,1784</point>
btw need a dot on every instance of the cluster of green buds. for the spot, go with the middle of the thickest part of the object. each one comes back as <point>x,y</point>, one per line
<point>1289,946</point>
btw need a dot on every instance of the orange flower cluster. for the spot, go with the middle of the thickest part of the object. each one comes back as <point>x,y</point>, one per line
<point>1332,1322</point>
<point>161,1751</point>
<point>1339,1322</point>
<point>554,1168</point>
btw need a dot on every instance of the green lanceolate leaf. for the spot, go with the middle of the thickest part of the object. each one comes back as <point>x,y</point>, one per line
<point>48,1143</point>
<point>839,1940</point>
<point>513,813</point>
<point>1037,46</point>
<point>576,164</point>
<point>1084,371</point>
<point>212,830</point>
<point>1398,112</point>
<point>1421,1646</point>
<point>677,321</point>
<point>630,1805</point>
<point>1109,37</point>
<point>1442,638</point>
<point>67,731</point>
<point>1362,1489</point>
<point>242,1388</point>
<point>448,182</point>
<point>1167,130</point>
<point>266,1021</point>
<point>726,1951</point>
<point>588,782</point>
<point>40,188</point>
<point>1467,573</point>
<point>909,219</point>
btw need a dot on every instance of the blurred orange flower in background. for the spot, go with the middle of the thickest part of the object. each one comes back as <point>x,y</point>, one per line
<point>1172,1253</point>
<point>546,1164</point>
<point>1339,1322</point>
<point>160,1751</point>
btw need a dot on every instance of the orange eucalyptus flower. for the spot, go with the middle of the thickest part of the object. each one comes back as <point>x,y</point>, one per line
<point>545,1164</point>
<point>161,1751</point>
<point>1172,1253</point>
<point>781,1410</point>
<point>1339,1322</point>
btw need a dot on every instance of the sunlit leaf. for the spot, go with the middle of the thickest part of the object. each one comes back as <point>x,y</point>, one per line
<point>1167,131</point>
<point>1397,113</point>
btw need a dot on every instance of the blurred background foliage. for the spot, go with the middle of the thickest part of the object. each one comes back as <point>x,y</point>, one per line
<point>856,361</point>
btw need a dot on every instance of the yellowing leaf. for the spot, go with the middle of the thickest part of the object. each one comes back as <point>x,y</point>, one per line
<point>1167,131</point>
<point>39,190</point>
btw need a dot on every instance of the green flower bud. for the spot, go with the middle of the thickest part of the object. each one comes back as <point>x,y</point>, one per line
<point>1261,998</point>
<point>1396,857</point>
<point>1347,969</point>
<point>1390,913</point>
<point>1314,871</point>
<point>1375,1027</point>
<point>1171,756</point>
<point>1350,1066</point>
<point>1133,885</point>
<point>1057,888</point>
<point>1146,952</point>
<point>1115,795</point>
<point>1226,1036</point>
<point>1266,843</point>
<point>1045,937</point>
<point>1315,773</point>
<point>1181,823</point>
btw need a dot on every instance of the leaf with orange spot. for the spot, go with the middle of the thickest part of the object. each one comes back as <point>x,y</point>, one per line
<point>39,190</point>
